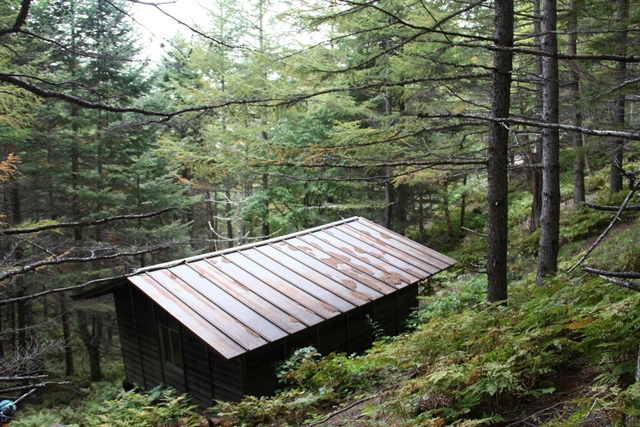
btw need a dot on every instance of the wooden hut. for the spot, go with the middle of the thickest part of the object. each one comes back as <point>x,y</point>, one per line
<point>216,325</point>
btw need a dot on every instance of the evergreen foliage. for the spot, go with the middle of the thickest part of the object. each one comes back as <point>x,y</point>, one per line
<point>387,117</point>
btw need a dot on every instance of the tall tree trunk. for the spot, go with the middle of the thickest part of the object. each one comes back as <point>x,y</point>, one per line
<point>463,202</point>
<point>92,339</point>
<point>420,218</point>
<point>619,107</point>
<point>1,335</point>
<point>75,114</point>
<point>75,175</point>
<point>265,189</point>
<point>536,203</point>
<point>227,209</point>
<point>240,222</point>
<point>447,215</point>
<point>19,283</point>
<point>497,153</point>
<point>576,114</point>
<point>388,200</point>
<point>550,218</point>
<point>66,333</point>
<point>389,195</point>
<point>402,196</point>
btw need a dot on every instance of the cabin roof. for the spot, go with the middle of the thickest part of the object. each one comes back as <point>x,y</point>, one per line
<point>242,298</point>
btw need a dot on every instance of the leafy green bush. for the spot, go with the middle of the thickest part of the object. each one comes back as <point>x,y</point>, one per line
<point>286,372</point>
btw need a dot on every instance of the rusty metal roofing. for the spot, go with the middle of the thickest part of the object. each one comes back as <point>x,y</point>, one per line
<point>242,298</point>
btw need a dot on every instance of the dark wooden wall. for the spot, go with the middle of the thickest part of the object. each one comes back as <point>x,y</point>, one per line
<point>207,375</point>
<point>350,332</point>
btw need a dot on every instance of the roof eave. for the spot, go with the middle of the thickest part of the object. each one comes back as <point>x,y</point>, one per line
<point>100,289</point>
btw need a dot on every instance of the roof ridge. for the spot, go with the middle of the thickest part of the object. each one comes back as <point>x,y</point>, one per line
<point>200,257</point>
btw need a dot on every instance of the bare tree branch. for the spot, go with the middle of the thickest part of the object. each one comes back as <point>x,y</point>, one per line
<point>610,208</point>
<point>101,221</point>
<point>596,132</point>
<point>454,161</point>
<point>33,390</point>
<point>14,80</point>
<point>22,378</point>
<point>31,386</point>
<point>628,285</point>
<point>474,232</point>
<point>65,289</point>
<point>93,257</point>
<point>619,274</point>
<point>189,27</point>
<point>613,222</point>
<point>20,19</point>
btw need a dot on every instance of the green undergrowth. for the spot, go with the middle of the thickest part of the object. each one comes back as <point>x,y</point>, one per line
<point>108,406</point>
<point>553,356</point>
<point>466,362</point>
<point>571,344</point>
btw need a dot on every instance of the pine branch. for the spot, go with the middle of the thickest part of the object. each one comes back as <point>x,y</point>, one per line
<point>75,51</point>
<point>101,221</point>
<point>396,18</point>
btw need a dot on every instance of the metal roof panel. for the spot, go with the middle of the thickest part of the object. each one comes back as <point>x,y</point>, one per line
<point>242,298</point>
<point>206,330</point>
<point>329,301</point>
<point>388,276</point>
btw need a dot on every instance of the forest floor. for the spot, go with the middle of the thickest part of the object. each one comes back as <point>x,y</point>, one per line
<point>572,385</point>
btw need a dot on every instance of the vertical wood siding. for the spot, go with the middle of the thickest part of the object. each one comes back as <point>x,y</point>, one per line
<point>227,377</point>
<point>129,337</point>
<point>196,369</point>
<point>207,375</point>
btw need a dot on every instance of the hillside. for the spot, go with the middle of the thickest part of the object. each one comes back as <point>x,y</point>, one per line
<point>562,354</point>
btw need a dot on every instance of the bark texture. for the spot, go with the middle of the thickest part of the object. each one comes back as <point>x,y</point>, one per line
<point>497,154</point>
<point>536,202</point>
<point>576,113</point>
<point>550,217</point>
<point>620,102</point>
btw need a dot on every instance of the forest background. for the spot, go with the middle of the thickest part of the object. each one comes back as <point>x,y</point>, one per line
<point>431,118</point>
